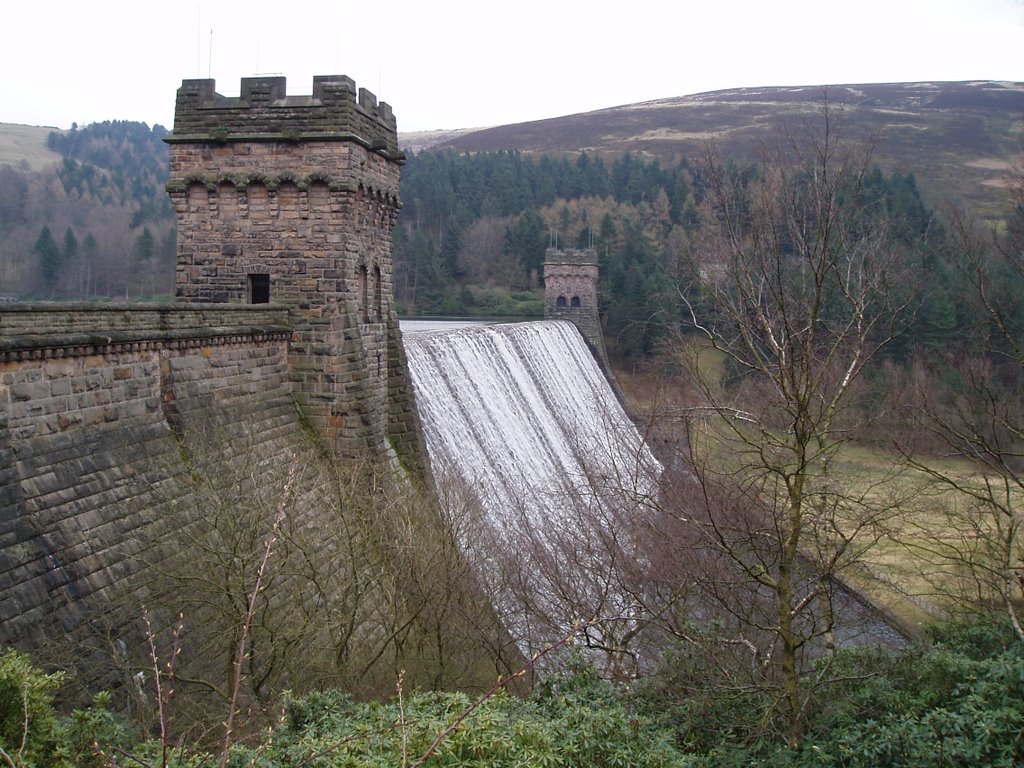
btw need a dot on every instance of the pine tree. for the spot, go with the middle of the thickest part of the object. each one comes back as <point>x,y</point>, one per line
<point>526,240</point>
<point>70,245</point>
<point>50,259</point>
<point>145,245</point>
<point>90,250</point>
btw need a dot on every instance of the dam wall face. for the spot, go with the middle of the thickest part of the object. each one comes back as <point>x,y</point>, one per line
<point>97,407</point>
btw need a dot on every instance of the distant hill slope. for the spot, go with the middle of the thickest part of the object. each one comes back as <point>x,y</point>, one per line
<point>24,146</point>
<point>97,194</point>
<point>957,138</point>
<point>418,140</point>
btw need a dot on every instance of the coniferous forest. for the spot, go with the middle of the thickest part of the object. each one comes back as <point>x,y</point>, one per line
<point>471,235</point>
<point>94,224</point>
<point>474,228</point>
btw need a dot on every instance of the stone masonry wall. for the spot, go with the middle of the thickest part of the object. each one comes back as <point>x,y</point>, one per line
<point>308,215</point>
<point>105,408</point>
<point>43,325</point>
<point>91,434</point>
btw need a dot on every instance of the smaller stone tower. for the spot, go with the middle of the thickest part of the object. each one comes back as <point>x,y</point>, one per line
<point>570,281</point>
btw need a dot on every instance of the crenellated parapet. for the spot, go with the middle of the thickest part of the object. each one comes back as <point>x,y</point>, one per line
<point>268,140</point>
<point>264,112</point>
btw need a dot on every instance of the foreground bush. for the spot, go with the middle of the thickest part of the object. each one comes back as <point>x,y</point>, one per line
<point>31,733</point>
<point>572,721</point>
<point>957,701</point>
<point>577,720</point>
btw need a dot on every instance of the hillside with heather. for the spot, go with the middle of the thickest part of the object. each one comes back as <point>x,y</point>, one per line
<point>635,182</point>
<point>956,138</point>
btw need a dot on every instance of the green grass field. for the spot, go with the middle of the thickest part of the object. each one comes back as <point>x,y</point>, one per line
<point>26,143</point>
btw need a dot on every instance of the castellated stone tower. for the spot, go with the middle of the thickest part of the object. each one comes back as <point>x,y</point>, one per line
<point>570,293</point>
<point>292,200</point>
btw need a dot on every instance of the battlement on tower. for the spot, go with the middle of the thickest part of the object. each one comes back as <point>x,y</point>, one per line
<point>291,200</point>
<point>578,256</point>
<point>265,112</point>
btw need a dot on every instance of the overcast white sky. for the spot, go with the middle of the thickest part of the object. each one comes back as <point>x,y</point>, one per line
<point>462,63</point>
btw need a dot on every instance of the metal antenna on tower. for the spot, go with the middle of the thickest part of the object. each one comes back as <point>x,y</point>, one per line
<point>199,41</point>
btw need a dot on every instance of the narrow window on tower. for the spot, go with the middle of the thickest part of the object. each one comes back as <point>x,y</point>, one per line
<point>377,298</point>
<point>362,297</point>
<point>259,288</point>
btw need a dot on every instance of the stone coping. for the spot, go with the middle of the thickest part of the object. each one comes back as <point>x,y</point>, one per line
<point>134,306</point>
<point>45,346</point>
<point>39,330</point>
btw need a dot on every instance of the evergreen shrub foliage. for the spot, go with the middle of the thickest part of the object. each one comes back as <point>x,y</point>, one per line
<point>576,720</point>
<point>956,701</point>
<point>953,702</point>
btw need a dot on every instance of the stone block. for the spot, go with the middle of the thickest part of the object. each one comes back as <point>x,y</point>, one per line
<point>23,391</point>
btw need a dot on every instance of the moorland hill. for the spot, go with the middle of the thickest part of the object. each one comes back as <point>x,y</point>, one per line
<point>957,138</point>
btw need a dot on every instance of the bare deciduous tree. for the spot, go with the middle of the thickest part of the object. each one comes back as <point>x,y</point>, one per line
<point>309,574</point>
<point>801,288</point>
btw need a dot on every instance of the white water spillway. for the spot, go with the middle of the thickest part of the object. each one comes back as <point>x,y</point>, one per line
<point>521,417</point>
<point>522,414</point>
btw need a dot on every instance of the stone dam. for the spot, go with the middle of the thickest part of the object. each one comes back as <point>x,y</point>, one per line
<point>283,331</point>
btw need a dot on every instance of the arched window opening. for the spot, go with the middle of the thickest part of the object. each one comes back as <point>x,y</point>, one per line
<point>575,303</point>
<point>288,200</point>
<point>319,197</point>
<point>197,197</point>
<point>377,299</point>
<point>361,296</point>
<point>561,303</point>
<point>227,200</point>
<point>258,198</point>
